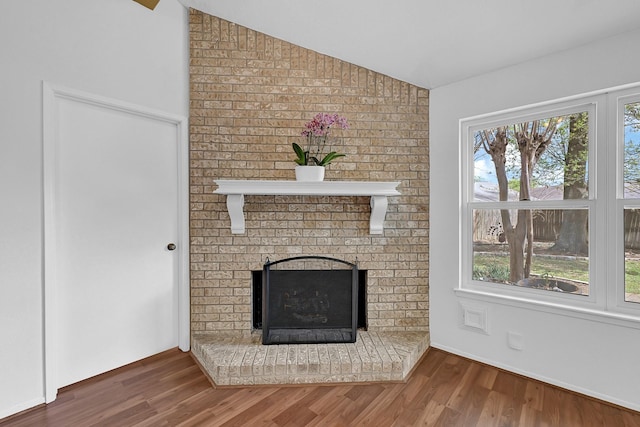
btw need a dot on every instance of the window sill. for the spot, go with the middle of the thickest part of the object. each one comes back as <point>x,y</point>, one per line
<point>595,315</point>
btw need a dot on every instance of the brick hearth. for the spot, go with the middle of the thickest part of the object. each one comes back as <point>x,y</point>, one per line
<point>232,359</point>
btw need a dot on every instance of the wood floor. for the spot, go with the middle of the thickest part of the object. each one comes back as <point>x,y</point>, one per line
<point>444,390</point>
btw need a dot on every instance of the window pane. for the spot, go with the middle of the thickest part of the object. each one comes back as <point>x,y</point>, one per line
<point>554,151</point>
<point>632,255</point>
<point>559,259</point>
<point>632,151</point>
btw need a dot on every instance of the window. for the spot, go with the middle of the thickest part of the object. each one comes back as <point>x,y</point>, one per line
<point>550,214</point>
<point>629,121</point>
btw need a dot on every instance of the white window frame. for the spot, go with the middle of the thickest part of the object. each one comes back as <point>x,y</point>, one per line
<point>605,205</point>
<point>616,294</point>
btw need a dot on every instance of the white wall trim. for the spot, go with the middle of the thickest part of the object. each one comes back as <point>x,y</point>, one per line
<point>51,93</point>
<point>184,288</point>
<point>49,262</point>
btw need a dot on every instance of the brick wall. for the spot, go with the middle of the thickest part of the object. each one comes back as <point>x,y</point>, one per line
<point>250,97</point>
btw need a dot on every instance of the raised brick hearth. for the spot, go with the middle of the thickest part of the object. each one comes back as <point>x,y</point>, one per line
<point>230,359</point>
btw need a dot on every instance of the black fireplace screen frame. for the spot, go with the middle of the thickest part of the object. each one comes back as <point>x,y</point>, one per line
<point>345,331</point>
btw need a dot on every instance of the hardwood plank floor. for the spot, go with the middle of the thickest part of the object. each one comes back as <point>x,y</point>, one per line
<point>444,390</point>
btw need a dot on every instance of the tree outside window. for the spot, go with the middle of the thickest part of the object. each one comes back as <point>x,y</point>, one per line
<point>549,214</point>
<point>520,169</point>
<point>631,192</point>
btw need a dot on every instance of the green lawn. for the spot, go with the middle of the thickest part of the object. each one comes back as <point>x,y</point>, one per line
<point>632,276</point>
<point>496,267</point>
<point>553,267</point>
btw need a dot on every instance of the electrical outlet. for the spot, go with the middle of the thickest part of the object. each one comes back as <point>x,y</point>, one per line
<point>515,340</point>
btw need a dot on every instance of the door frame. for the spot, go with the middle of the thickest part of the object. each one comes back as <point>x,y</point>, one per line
<point>51,93</point>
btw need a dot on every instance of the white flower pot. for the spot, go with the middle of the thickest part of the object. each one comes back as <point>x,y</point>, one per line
<point>309,173</point>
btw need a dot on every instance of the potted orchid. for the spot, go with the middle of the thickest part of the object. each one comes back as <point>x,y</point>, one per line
<point>316,135</point>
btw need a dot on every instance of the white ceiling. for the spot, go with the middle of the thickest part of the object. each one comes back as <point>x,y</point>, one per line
<point>431,43</point>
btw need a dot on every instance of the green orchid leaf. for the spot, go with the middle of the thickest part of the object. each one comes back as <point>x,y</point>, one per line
<point>329,158</point>
<point>302,155</point>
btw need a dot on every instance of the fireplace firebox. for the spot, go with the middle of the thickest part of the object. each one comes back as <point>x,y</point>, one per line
<point>308,300</point>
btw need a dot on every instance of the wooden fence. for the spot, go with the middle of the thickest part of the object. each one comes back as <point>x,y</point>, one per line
<point>487,226</point>
<point>632,229</point>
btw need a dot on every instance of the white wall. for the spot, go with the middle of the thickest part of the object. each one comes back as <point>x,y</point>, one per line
<point>117,49</point>
<point>599,359</point>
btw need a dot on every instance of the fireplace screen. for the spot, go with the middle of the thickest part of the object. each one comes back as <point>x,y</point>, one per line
<point>309,300</point>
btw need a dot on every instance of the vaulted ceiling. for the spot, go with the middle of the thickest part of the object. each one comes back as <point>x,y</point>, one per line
<point>431,43</point>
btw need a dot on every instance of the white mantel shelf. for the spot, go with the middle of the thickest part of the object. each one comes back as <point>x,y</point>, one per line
<point>235,190</point>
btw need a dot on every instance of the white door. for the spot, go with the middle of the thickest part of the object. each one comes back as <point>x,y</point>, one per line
<point>115,213</point>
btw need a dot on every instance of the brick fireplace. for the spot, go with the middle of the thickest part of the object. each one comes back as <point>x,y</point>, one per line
<point>250,96</point>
